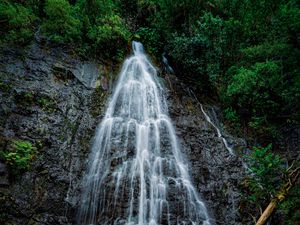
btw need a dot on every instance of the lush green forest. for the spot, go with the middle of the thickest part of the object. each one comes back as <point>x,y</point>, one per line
<point>244,54</point>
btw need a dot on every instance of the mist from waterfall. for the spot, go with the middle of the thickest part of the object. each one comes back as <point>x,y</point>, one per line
<point>136,173</point>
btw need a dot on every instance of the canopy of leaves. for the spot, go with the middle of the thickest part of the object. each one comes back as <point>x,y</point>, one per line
<point>60,24</point>
<point>16,22</point>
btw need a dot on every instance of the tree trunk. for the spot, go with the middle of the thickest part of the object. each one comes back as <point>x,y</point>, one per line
<point>293,177</point>
<point>267,213</point>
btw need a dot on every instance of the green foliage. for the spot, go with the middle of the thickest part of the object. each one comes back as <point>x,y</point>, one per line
<point>266,169</point>
<point>16,22</point>
<point>177,15</point>
<point>25,98</point>
<point>104,32</point>
<point>60,24</point>
<point>265,51</point>
<point>231,115</point>
<point>151,38</point>
<point>246,52</point>
<point>199,54</point>
<point>95,9</point>
<point>266,181</point>
<point>109,36</point>
<point>20,155</point>
<point>184,51</point>
<point>291,206</point>
<point>252,87</point>
<point>257,92</point>
<point>46,103</point>
<point>210,29</point>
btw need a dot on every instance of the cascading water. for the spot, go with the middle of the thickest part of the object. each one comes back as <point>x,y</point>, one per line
<point>137,174</point>
<point>209,120</point>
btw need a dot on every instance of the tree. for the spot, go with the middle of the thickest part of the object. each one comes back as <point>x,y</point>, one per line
<point>60,24</point>
<point>16,23</point>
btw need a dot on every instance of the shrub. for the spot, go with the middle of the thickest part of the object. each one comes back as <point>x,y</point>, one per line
<point>291,206</point>
<point>19,155</point>
<point>188,56</point>
<point>231,115</point>
<point>199,54</point>
<point>109,36</point>
<point>266,169</point>
<point>151,38</point>
<point>256,95</point>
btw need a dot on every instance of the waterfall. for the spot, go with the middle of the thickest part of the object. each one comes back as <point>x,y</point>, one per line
<point>136,173</point>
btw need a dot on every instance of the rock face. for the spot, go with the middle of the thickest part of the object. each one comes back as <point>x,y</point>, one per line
<point>216,173</point>
<point>50,99</point>
<point>55,101</point>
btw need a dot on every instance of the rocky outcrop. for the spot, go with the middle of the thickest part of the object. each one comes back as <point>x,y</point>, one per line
<point>52,100</point>
<point>3,175</point>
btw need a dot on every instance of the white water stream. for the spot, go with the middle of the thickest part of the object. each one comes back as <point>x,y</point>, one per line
<point>136,173</point>
<point>208,119</point>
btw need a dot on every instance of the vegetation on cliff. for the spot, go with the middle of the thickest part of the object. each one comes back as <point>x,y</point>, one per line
<point>244,52</point>
<point>19,156</point>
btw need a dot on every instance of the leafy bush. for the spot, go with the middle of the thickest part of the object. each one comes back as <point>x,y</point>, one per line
<point>291,206</point>
<point>231,115</point>
<point>270,51</point>
<point>20,155</point>
<point>256,94</point>
<point>267,180</point>
<point>60,24</point>
<point>151,38</point>
<point>188,55</point>
<point>109,36</point>
<point>16,22</point>
<point>176,15</point>
<point>104,33</point>
<point>200,53</point>
<point>29,99</point>
<point>266,169</point>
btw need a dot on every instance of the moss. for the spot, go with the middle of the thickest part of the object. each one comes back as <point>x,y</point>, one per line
<point>98,100</point>
<point>46,103</point>
<point>4,86</point>
<point>85,141</point>
<point>5,83</point>
<point>69,130</point>
<point>32,98</point>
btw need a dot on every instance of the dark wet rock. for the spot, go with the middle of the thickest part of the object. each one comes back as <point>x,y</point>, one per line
<point>87,73</point>
<point>3,175</point>
<point>215,172</point>
<point>48,102</point>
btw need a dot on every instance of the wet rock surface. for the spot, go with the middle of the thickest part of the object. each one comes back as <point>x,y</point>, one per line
<point>46,98</point>
<point>216,173</point>
<point>55,101</point>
